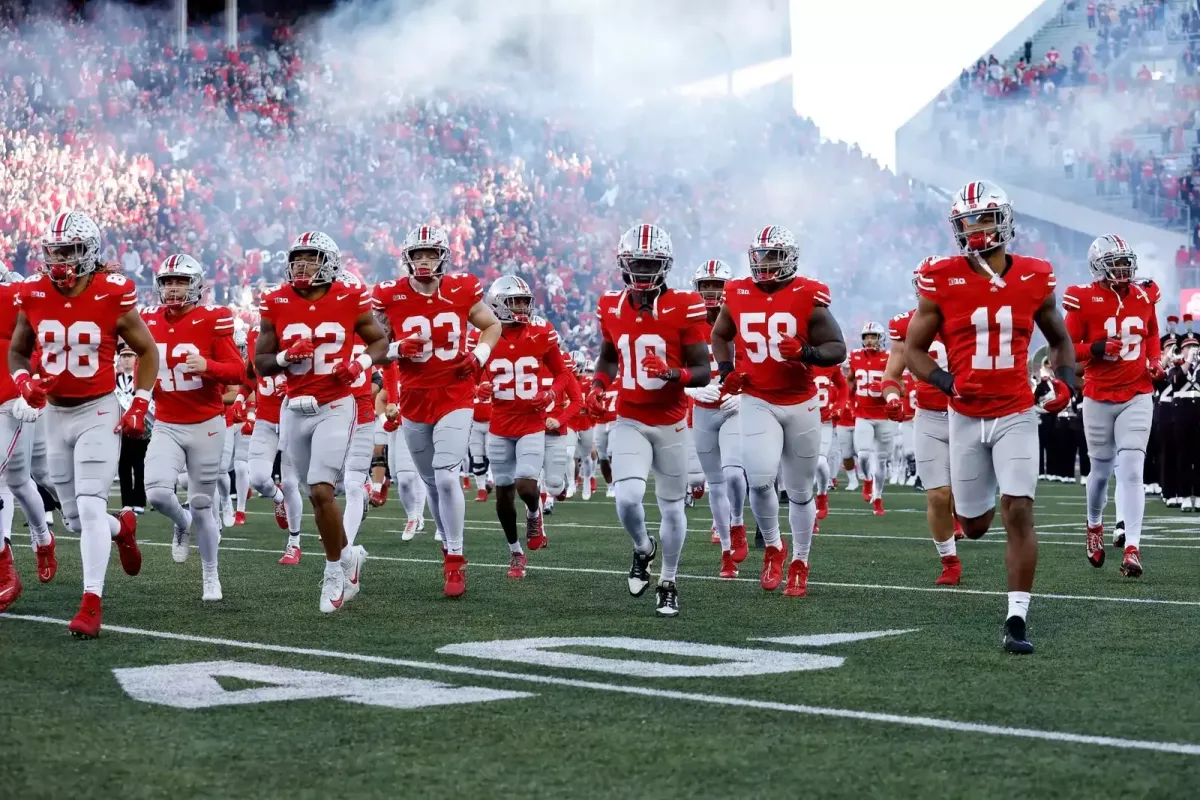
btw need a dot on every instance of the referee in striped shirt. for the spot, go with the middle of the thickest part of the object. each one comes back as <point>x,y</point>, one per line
<point>131,466</point>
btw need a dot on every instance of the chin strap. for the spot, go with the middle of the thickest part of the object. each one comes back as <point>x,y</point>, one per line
<point>977,258</point>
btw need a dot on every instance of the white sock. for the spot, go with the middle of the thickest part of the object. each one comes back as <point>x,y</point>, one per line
<point>946,548</point>
<point>1097,491</point>
<point>1131,501</point>
<point>293,504</point>
<point>356,495</point>
<point>452,509</point>
<point>802,517</point>
<point>35,513</point>
<point>718,502</point>
<point>1018,604</point>
<point>515,547</point>
<point>294,540</point>
<point>735,489</point>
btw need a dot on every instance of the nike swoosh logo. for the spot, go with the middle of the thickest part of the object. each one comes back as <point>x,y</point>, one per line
<point>666,310</point>
<point>1026,277</point>
<point>455,289</point>
<point>335,406</point>
<point>342,296</point>
<point>6,591</point>
<point>212,434</point>
<point>101,413</point>
<point>812,408</point>
<point>99,297</point>
<point>197,321</point>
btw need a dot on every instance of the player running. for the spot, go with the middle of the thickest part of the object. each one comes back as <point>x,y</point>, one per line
<point>307,328</point>
<point>1113,323</point>
<point>784,328</point>
<point>874,433</point>
<point>196,357</point>
<point>832,393</point>
<point>427,313</point>
<point>984,305</point>
<point>653,347</point>
<point>75,313</point>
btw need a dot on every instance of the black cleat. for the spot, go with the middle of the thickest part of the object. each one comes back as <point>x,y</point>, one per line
<point>1119,539</point>
<point>667,595</point>
<point>639,573</point>
<point>1014,637</point>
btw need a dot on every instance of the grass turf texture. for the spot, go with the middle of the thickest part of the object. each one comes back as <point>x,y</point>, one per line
<point>1104,668</point>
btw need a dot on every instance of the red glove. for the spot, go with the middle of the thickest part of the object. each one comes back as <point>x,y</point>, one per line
<point>656,367</point>
<point>597,401</point>
<point>1060,400</point>
<point>34,391</point>
<point>391,424</point>
<point>1111,352</point>
<point>347,372</point>
<point>967,385</point>
<point>133,423</point>
<point>299,350</point>
<point>790,348</point>
<point>248,426</point>
<point>483,392</point>
<point>894,408</point>
<point>467,366</point>
<point>412,346</point>
<point>238,409</point>
<point>1157,373</point>
<point>735,383</point>
<point>545,398</point>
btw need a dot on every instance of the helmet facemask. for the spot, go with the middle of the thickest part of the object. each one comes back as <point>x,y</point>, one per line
<point>67,262</point>
<point>769,264</point>
<point>644,273</point>
<point>872,341</point>
<point>712,290</point>
<point>514,309</point>
<point>425,262</point>
<point>311,267</point>
<point>175,291</point>
<point>984,230</point>
<point>1115,267</point>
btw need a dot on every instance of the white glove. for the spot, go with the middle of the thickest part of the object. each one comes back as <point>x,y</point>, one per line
<point>731,402</point>
<point>23,412</point>
<point>305,404</point>
<point>708,394</point>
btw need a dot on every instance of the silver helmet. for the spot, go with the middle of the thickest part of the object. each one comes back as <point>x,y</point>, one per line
<point>505,297</point>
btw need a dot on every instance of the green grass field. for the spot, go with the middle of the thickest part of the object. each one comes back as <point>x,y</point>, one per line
<point>282,701</point>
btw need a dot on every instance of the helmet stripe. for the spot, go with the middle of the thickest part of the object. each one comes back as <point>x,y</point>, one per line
<point>1118,241</point>
<point>645,238</point>
<point>765,235</point>
<point>60,224</point>
<point>424,234</point>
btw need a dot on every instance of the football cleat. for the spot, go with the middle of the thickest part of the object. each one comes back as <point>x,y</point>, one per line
<point>180,544</point>
<point>1131,564</point>
<point>951,571</point>
<point>379,498</point>
<point>212,584</point>
<point>729,567</point>
<point>609,491</point>
<point>592,483</point>
<point>589,488</point>
<point>1014,637</point>
<point>851,482</point>
<point>333,587</point>
<point>548,505</point>
<point>877,506</point>
<point>833,483</point>
<point>411,529</point>
<point>1119,539</point>
<point>822,506</point>
<point>86,624</point>
<point>454,568</point>
<point>639,573</point>
<point>353,572</point>
<point>281,515</point>
<point>772,571</point>
<point>516,566</point>
<point>439,537</point>
<point>698,492</point>
<point>568,493</point>
<point>561,495</point>
<point>689,501</point>
<point>867,486</point>
<point>481,496</point>
<point>737,543</point>
<point>713,536</point>
<point>10,581</point>
<point>239,518</point>
<point>291,555</point>
<point>797,579</point>
<point>127,546</point>
<point>666,603</point>
<point>535,532</point>
<point>466,483</point>
<point>47,561</point>
<point>958,530</point>
<point>1095,545</point>
<point>227,516</point>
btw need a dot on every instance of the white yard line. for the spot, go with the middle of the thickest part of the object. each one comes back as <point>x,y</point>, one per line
<point>645,691</point>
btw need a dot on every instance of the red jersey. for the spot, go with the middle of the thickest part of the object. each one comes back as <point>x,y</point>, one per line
<point>363,388</point>
<point>269,390</point>
<point>867,368</point>
<point>987,327</point>
<point>676,321</point>
<point>763,319</point>
<point>928,397</point>
<point>831,389</point>
<point>181,396</point>
<point>610,409</point>
<point>526,356</point>
<point>329,322</point>
<point>1095,311</point>
<point>568,403</point>
<point>8,323</point>
<point>78,335</point>
<point>481,409</point>
<point>431,391</point>
<point>909,396</point>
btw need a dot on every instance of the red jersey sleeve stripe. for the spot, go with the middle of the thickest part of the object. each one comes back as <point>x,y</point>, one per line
<point>1071,302</point>
<point>823,298</point>
<point>926,284</point>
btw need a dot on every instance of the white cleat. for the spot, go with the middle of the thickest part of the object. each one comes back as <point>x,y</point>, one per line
<point>411,529</point>
<point>570,490</point>
<point>548,506</point>
<point>438,537</point>
<point>852,484</point>
<point>354,572</point>
<point>227,516</point>
<point>610,491</point>
<point>180,543</point>
<point>212,585</point>
<point>333,587</point>
<point>586,492</point>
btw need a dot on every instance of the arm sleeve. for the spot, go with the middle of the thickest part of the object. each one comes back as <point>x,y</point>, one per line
<point>574,400</point>
<point>1074,323</point>
<point>391,382</point>
<point>554,362</point>
<point>225,366</point>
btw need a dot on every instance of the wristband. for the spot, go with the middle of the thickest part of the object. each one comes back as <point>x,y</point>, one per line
<point>281,358</point>
<point>143,393</point>
<point>241,398</point>
<point>601,382</point>
<point>1066,374</point>
<point>685,375</point>
<point>942,380</point>
<point>482,352</point>
<point>808,354</point>
<point>19,373</point>
<point>393,351</point>
<point>365,360</point>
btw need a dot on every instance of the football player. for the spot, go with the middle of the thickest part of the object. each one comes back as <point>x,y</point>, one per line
<point>427,313</point>
<point>409,487</point>
<point>653,347</point>
<point>577,364</point>
<point>984,305</point>
<point>307,328</point>
<point>362,441</point>
<point>75,313</point>
<point>17,432</point>
<point>585,424</point>
<point>832,393</point>
<point>196,357</point>
<point>516,439</point>
<point>843,428</point>
<point>1114,325</point>
<point>717,436</point>
<point>566,404</point>
<point>873,431</point>
<point>931,440</point>
<point>784,328</point>
<point>481,416</point>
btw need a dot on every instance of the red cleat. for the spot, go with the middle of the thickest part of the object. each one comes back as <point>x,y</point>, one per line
<point>1131,565</point>
<point>866,492</point>
<point>481,496</point>
<point>379,498</point>
<point>877,506</point>
<point>951,571</point>
<point>713,536</point>
<point>127,548</point>
<point>239,518</point>
<point>772,571</point>
<point>1095,545</point>
<point>833,483</point>
<point>593,483</point>
<point>737,543</point>
<point>454,568</point>
<point>47,561</point>
<point>466,484</point>
<point>958,531</point>
<point>291,556</point>
<point>516,566</point>
<point>86,624</point>
<point>281,515</point>
<point>797,582</point>
<point>822,506</point>
<point>698,492</point>
<point>729,567</point>
<point>816,527</point>
<point>535,533</point>
<point>10,581</point>
<point>561,496</point>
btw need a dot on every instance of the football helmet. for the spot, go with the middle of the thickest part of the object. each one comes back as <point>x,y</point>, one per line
<point>328,259</point>
<point>239,339</point>
<point>875,331</point>
<point>774,255</point>
<point>645,256</point>
<point>179,265</point>
<point>1111,258</point>
<point>974,204</point>
<point>710,280</point>
<point>7,276</point>
<point>511,300</point>
<point>425,237</point>
<point>579,360</point>
<point>71,248</point>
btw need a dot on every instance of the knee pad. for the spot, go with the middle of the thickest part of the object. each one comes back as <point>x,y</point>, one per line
<point>379,461</point>
<point>200,502</point>
<point>158,496</point>
<point>555,482</point>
